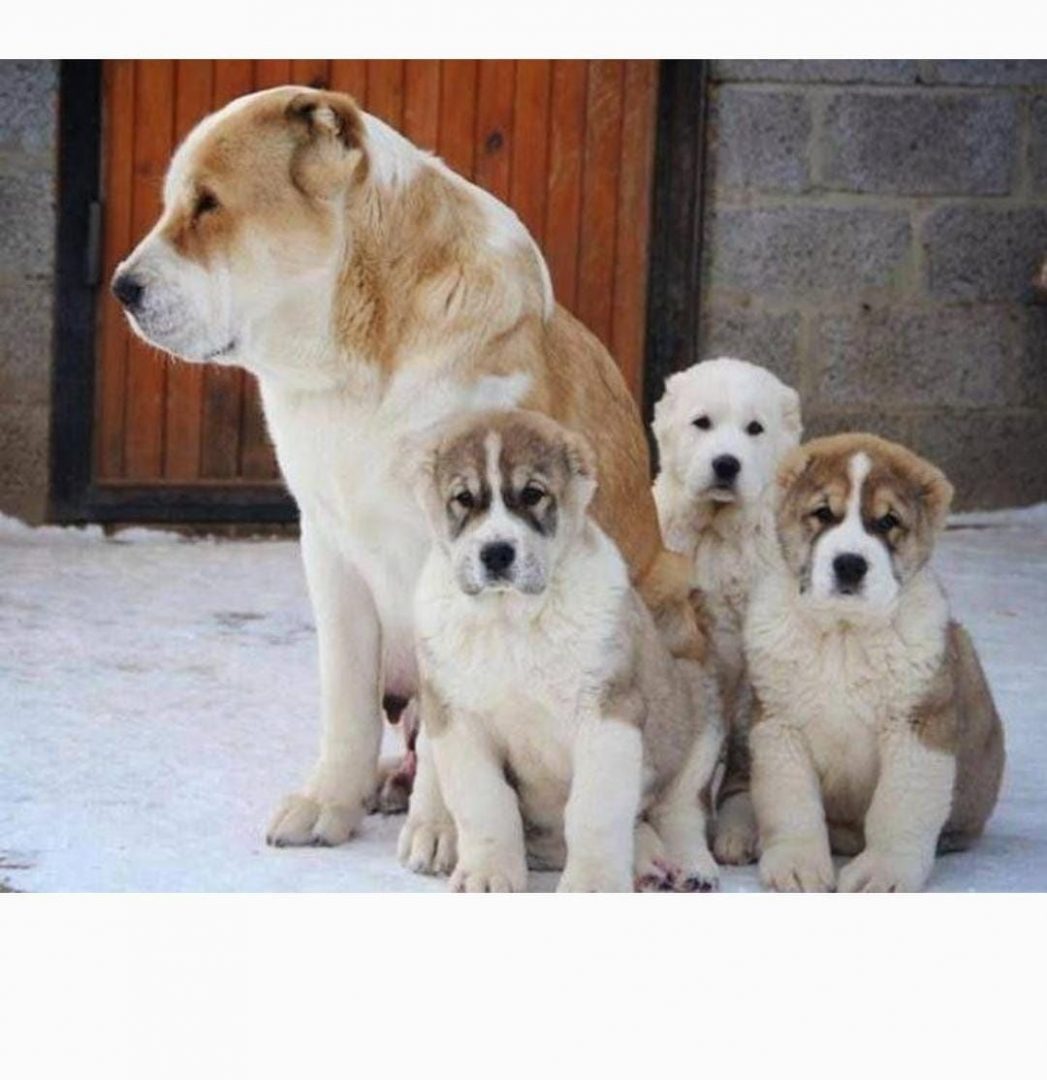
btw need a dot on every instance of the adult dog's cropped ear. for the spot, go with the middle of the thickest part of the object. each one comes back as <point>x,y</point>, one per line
<point>330,130</point>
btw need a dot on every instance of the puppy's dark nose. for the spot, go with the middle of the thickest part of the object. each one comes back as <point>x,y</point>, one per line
<point>849,569</point>
<point>726,467</point>
<point>128,290</point>
<point>497,558</point>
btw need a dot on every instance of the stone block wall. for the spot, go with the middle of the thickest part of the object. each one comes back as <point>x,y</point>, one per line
<point>28,136</point>
<point>872,229</point>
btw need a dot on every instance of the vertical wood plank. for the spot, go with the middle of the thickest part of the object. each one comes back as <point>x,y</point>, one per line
<point>634,219</point>
<point>118,98</point>
<point>600,196</point>
<point>350,77</point>
<point>457,145</point>
<point>531,144</point>
<point>223,386</point>
<point>563,210</point>
<point>496,95</point>
<point>193,88</point>
<point>422,102</point>
<point>144,411</point>
<point>270,73</point>
<point>385,91</point>
<point>315,73</point>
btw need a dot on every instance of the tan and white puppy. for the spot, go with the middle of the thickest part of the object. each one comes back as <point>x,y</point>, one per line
<point>875,735</point>
<point>374,293</point>
<point>558,720</point>
<point>723,427</point>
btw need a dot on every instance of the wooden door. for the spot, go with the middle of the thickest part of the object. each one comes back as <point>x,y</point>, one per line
<point>568,143</point>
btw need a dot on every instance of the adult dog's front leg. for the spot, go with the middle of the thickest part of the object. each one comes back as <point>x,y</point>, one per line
<point>332,803</point>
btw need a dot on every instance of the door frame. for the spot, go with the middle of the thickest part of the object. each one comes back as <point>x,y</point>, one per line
<point>671,335</point>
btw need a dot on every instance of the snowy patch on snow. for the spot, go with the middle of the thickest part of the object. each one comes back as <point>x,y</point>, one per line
<point>158,697</point>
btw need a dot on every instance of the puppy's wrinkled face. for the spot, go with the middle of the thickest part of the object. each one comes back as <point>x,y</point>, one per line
<point>722,427</point>
<point>857,519</point>
<point>249,225</point>
<point>505,494</point>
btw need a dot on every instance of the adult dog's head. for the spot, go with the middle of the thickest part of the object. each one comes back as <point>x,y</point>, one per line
<point>249,222</point>
<point>857,519</point>
<point>506,494</point>
<point>722,427</point>
<point>292,220</point>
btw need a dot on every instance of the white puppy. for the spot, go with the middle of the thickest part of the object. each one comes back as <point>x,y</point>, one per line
<point>722,428</point>
<point>875,734</point>
<point>560,726</point>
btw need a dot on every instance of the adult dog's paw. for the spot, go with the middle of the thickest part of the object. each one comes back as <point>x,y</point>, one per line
<point>797,866</point>
<point>303,820</point>
<point>490,873</point>
<point>427,847</point>
<point>884,871</point>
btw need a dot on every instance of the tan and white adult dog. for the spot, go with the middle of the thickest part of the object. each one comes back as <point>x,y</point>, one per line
<point>373,292</point>
<point>723,427</point>
<point>876,735</point>
<point>557,718</point>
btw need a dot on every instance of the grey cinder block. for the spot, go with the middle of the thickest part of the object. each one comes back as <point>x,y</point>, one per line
<point>759,140</point>
<point>914,143</point>
<point>28,104</point>
<point>816,71</point>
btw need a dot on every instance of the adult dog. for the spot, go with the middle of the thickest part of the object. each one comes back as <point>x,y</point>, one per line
<point>374,293</point>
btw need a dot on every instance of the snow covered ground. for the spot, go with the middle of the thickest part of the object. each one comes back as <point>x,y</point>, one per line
<point>158,696</point>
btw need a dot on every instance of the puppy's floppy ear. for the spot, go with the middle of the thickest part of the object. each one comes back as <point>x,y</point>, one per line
<point>330,131</point>
<point>581,463</point>
<point>936,494</point>
<point>663,408</point>
<point>793,467</point>
<point>416,464</point>
<point>792,423</point>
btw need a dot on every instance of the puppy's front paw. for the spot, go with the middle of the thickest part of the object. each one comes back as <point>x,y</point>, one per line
<point>884,871</point>
<point>427,846</point>
<point>797,866</point>
<point>698,875</point>
<point>735,842</point>
<point>490,872</point>
<point>593,876</point>
<point>304,820</point>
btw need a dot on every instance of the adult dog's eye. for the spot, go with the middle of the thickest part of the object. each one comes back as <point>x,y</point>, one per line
<point>206,203</point>
<point>464,499</point>
<point>883,525</point>
<point>755,428</point>
<point>703,423</point>
<point>532,495</point>
<point>824,514</point>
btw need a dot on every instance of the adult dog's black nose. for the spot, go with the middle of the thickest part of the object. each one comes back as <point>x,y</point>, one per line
<point>128,290</point>
<point>497,557</point>
<point>850,569</point>
<point>726,467</point>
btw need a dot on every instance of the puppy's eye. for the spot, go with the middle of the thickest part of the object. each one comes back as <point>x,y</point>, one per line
<point>532,495</point>
<point>464,499</point>
<point>703,423</point>
<point>755,428</point>
<point>823,514</point>
<point>883,525</point>
<point>206,203</point>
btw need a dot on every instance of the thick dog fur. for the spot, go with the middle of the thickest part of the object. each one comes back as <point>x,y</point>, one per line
<point>375,293</point>
<point>721,411</point>
<point>558,721</point>
<point>876,736</point>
